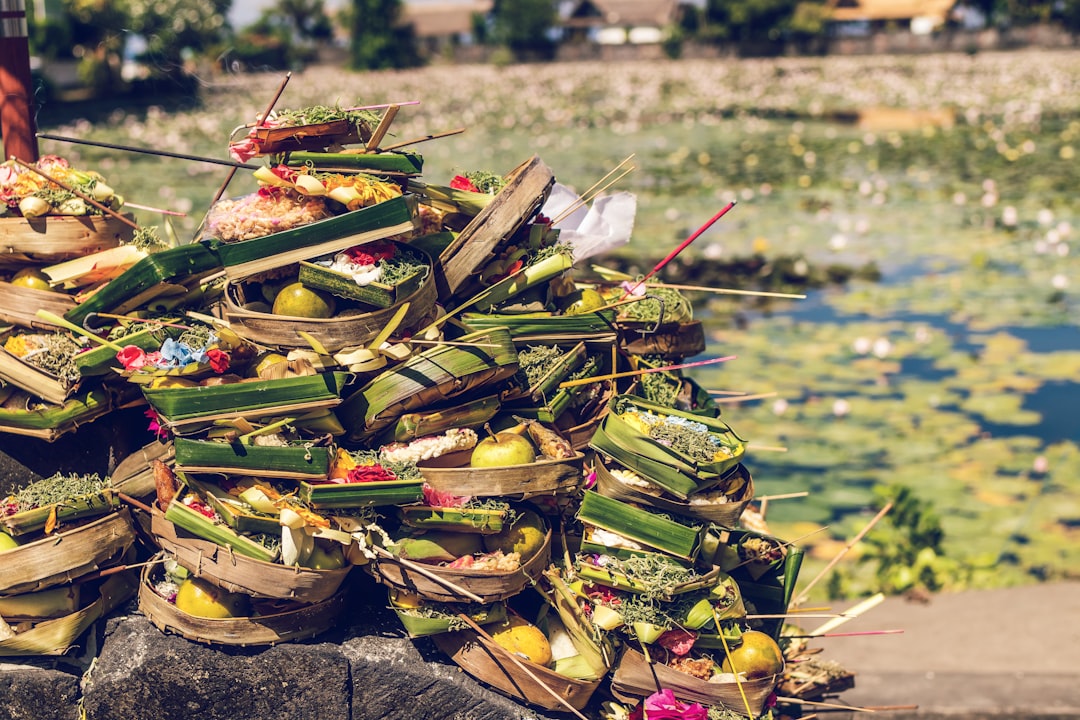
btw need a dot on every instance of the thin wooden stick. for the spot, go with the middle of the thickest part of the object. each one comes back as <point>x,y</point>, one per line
<point>682,246</point>
<point>135,503</point>
<point>57,320</point>
<point>631,373</point>
<point>812,703</point>
<point>483,633</point>
<point>115,570</point>
<point>382,128</point>
<point>138,320</point>
<point>765,448</point>
<point>850,614</point>
<point>174,213</point>
<point>728,392</point>
<point>727,654</point>
<point>855,633</point>
<point>432,136</point>
<point>584,199</point>
<point>146,151</point>
<point>260,123</point>
<point>580,201</point>
<point>743,398</point>
<point>85,198</point>
<point>840,555</point>
<point>416,567</point>
<point>451,343</point>
<point>727,291</point>
<point>783,496</point>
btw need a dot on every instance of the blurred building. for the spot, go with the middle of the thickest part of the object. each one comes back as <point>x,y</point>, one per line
<point>866,17</point>
<point>618,22</point>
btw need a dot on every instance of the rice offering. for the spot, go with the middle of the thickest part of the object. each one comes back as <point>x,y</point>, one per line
<point>260,214</point>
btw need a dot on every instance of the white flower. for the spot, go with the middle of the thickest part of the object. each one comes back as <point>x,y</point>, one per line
<point>1059,281</point>
<point>862,345</point>
<point>881,347</point>
<point>841,407</point>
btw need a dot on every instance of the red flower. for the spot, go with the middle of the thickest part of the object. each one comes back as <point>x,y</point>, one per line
<point>369,473</point>
<point>460,182</point>
<point>638,713</point>
<point>218,359</point>
<point>155,425</point>
<point>131,357</point>
<point>370,254</point>
<point>284,172</point>
<point>678,641</point>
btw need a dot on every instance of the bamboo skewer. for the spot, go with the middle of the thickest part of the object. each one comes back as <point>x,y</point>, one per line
<point>262,121</point>
<point>728,291</point>
<point>581,202</point>
<point>856,633</point>
<point>146,151</point>
<point>416,567</point>
<point>383,127</point>
<point>57,320</point>
<point>86,198</point>
<point>682,246</point>
<point>840,555</point>
<point>484,634</point>
<point>174,213</point>
<point>432,136</point>
<point>572,208</point>
<point>813,703</point>
<point>743,398</point>
<point>850,614</point>
<point>783,496</point>
<point>631,373</point>
<point>765,448</point>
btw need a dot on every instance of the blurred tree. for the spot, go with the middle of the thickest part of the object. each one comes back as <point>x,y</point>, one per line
<point>178,30</point>
<point>306,18</point>
<point>379,40</point>
<point>1070,15</point>
<point>525,26</point>
<point>748,21</point>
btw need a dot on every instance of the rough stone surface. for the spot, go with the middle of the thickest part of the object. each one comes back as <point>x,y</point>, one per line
<point>34,692</point>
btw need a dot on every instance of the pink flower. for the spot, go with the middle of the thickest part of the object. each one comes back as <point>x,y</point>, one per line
<point>219,360</point>
<point>155,425</point>
<point>439,498</point>
<point>634,289</point>
<point>664,706</point>
<point>678,641</point>
<point>131,357</point>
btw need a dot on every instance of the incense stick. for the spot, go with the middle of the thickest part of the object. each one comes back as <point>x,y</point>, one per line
<point>583,200</point>
<point>262,121</point>
<point>631,373</point>
<point>766,448</point>
<point>146,151</point>
<point>783,496</point>
<point>86,198</point>
<point>682,246</point>
<point>850,614</point>
<point>839,556</point>
<point>728,291</point>
<point>452,343</point>
<point>743,398</point>
<point>854,633</point>
<point>570,209</point>
<point>432,136</point>
<point>415,567</point>
<point>813,703</point>
<point>154,209</point>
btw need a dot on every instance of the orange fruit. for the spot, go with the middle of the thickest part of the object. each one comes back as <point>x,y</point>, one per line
<point>758,656</point>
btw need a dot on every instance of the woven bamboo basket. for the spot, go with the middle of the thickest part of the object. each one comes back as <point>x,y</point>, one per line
<point>491,663</point>
<point>62,557</point>
<point>670,340</point>
<point>636,677</point>
<point>19,305</point>
<point>297,622</point>
<point>725,514</point>
<point>56,238</point>
<point>237,573</point>
<point>334,333</point>
<point>57,636</point>
<point>488,586</point>
<point>315,136</point>
<point>543,477</point>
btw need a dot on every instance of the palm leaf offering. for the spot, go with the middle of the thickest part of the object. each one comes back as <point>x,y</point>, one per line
<point>356,366</point>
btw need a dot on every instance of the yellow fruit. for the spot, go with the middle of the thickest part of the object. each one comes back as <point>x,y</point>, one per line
<point>525,536</point>
<point>457,544</point>
<point>583,301</point>
<point>31,278</point>
<point>758,656</point>
<point>501,450</point>
<point>322,559</point>
<point>266,360</point>
<point>7,542</point>
<point>204,599</point>
<point>405,600</point>
<point>522,638</point>
<point>298,300</point>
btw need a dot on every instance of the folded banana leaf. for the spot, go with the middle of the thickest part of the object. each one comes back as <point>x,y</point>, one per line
<point>173,270</point>
<point>729,447</point>
<point>532,326</point>
<point>434,243</point>
<point>52,421</point>
<point>469,414</point>
<point>376,293</point>
<point>375,222</point>
<point>610,576</point>
<point>236,513</point>
<point>19,305</point>
<point>185,403</point>
<point>58,513</point>
<point>517,283</point>
<point>451,200</point>
<point>397,161</point>
<point>552,400</point>
<point>201,526</point>
<point>311,136</point>
<point>100,360</point>
<point>672,389</point>
<point>485,521</point>
<point>360,495</point>
<point>640,525</point>
<point>297,460</point>
<point>430,619</point>
<point>670,479</point>
<point>434,376</point>
<point>35,380</point>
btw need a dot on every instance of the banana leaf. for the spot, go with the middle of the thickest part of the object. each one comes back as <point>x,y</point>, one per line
<point>613,578</point>
<point>247,257</point>
<point>451,200</point>
<point>427,379</point>
<point>730,446</point>
<point>53,421</point>
<point>517,283</point>
<point>670,479</point>
<point>101,359</point>
<point>418,624</point>
<point>147,279</point>
<point>201,526</point>
<point>484,521</point>
<point>376,293</point>
<point>434,243</point>
<point>184,403</point>
<point>767,582</point>
<point>85,506</point>
<point>397,161</point>
<point>469,414</point>
<point>36,380</point>
<point>296,460</point>
<point>361,495</point>
<point>640,525</point>
<point>233,511</point>
<point>526,326</point>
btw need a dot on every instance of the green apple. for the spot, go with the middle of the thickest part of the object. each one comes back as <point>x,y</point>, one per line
<point>501,450</point>
<point>323,559</point>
